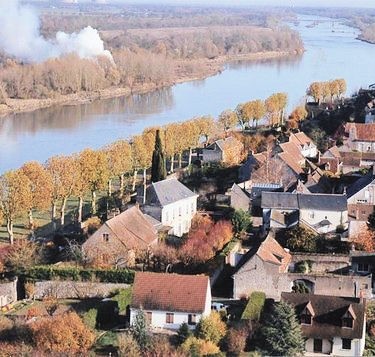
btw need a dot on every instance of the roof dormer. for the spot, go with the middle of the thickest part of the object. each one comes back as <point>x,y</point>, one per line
<point>347,320</point>
<point>307,314</point>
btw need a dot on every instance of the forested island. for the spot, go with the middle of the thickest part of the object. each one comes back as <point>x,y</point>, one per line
<point>148,50</point>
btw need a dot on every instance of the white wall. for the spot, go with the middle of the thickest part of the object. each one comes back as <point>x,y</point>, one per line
<point>179,215</point>
<point>356,350</point>
<point>366,195</point>
<point>309,151</point>
<point>326,344</point>
<point>159,318</point>
<point>313,217</point>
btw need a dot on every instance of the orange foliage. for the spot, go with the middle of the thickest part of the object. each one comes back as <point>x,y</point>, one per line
<point>365,241</point>
<point>64,333</point>
<point>205,239</point>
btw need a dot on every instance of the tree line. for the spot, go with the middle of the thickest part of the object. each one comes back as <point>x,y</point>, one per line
<point>139,60</point>
<point>323,91</point>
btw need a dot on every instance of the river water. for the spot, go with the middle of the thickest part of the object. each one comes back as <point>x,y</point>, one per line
<point>331,52</point>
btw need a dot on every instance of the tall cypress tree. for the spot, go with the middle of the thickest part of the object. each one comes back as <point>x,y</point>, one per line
<point>281,334</point>
<point>158,169</point>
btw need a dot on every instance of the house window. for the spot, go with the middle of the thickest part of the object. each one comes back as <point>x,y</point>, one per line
<point>318,345</point>
<point>169,317</point>
<point>363,267</point>
<point>346,344</point>
<point>192,319</point>
<point>347,322</point>
<point>106,237</point>
<point>306,318</point>
<point>311,215</point>
<point>148,317</point>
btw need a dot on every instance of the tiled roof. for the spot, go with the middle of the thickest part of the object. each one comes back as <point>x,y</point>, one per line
<point>328,312</point>
<point>228,143</point>
<point>269,251</point>
<point>170,292</point>
<point>363,132</point>
<point>300,138</point>
<point>314,201</point>
<point>168,191</point>
<point>132,228</point>
<point>332,152</point>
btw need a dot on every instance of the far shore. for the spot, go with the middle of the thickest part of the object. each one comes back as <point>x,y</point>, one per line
<point>211,68</point>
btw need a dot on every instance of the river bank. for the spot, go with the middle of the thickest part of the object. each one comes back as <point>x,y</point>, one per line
<point>207,68</point>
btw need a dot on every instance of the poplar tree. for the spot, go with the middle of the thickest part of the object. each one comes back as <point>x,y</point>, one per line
<point>158,169</point>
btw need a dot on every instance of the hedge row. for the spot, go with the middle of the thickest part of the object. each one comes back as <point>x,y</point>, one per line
<point>45,272</point>
<point>254,306</point>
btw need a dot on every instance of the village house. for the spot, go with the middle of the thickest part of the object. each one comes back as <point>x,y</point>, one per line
<point>331,159</point>
<point>118,240</point>
<point>169,300</point>
<point>270,268</point>
<point>171,203</point>
<point>361,137</point>
<point>331,325</point>
<point>264,269</point>
<point>227,151</point>
<point>306,146</point>
<point>323,213</point>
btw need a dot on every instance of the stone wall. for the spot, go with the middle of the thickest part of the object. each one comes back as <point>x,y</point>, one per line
<point>8,292</point>
<point>75,289</point>
<point>336,285</point>
<point>321,263</point>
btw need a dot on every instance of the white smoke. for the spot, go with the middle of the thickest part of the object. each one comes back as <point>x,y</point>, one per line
<point>20,37</point>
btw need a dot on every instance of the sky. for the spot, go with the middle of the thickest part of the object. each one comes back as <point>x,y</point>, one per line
<point>317,3</point>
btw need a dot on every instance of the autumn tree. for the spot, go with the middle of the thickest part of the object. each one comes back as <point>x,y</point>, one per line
<point>127,345</point>
<point>211,328</point>
<point>62,334</point>
<point>275,106</point>
<point>298,114</point>
<point>228,120</point>
<point>192,137</point>
<point>15,198</point>
<point>169,140</point>
<point>253,110</point>
<point>334,89</point>
<point>158,169</point>
<point>325,90</point>
<point>94,172</point>
<point>341,86</point>
<point>40,182</point>
<point>22,255</point>
<point>119,160</point>
<point>205,125</point>
<point>141,154</point>
<point>63,174</point>
<point>365,240</point>
<point>315,91</point>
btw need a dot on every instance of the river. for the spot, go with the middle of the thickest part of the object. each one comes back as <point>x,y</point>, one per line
<point>331,52</point>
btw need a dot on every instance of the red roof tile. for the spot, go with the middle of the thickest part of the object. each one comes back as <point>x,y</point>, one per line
<point>170,292</point>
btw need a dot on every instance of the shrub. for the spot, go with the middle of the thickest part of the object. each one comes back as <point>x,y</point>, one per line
<point>241,221</point>
<point>254,306</point>
<point>48,272</point>
<point>64,333</point>
<point>123,298</point>
<point>198,347</point>
<point>160,347</point>
<point>183,333</point>
<point>128,346</point>
<point>211,328</point>
<point>89,318</point>
<point>235,340</point>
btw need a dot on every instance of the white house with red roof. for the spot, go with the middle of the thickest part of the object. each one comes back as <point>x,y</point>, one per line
<point>169,300</point>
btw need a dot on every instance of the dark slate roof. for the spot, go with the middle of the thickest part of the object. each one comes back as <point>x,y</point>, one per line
<point>360,184</point>
<point>168,191</point>
<point>324,202</point>
<point>282,200</point>
<point>328,311</point>
<point>286,200</point>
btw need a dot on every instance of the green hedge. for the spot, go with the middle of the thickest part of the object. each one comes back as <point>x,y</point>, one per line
<point>48,272</point>
<point>254,306</point>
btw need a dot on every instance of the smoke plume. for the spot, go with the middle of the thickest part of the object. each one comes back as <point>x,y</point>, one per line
<point>20,37</point>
